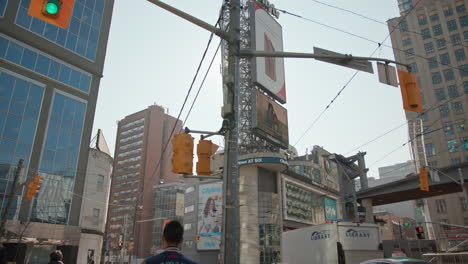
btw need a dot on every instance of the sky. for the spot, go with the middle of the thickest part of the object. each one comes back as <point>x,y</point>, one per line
<point>152,56</point>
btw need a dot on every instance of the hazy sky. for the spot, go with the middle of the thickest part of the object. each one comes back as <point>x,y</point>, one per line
<point>152,56</point>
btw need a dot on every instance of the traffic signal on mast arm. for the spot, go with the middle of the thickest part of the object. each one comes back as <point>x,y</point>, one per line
<point>410,92</point>
<point>33,188</point>
<point>182,159</point>
<point>420,232</point>
<point>424,179</point>
<point>55,12</point>
<point>205,149</point>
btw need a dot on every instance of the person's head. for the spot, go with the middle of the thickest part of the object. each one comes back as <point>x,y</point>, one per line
<point>56,255</point>
<point>173,233</point>
<point>209,206</point>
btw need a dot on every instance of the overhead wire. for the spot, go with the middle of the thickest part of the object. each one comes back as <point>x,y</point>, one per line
<point>355,73</point>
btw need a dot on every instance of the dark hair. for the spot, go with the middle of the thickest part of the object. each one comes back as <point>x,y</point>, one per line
<point>173,232</point>
<point>56,255</point>
<point>207,206</point>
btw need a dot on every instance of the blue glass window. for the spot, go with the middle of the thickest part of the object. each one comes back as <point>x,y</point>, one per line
<point>17,126</point>
<point>86,20</point>
<point>440,94</point>
<point>460,8</point>
<point>448,75</point>
<point>463,70</point>
<point>463,21</point>
<point>457,107</point>
<point>429,47</point>
<point>430,149</point>
<point>434,17</point>
<point>465,87</point>
<point>59,159</point>
<point>444,110</point>
<point>452,145</point>
<point>414,67</point>
<point>452,91</point>
<point>448,11</point>
<point>436,78</point>
<point>426,34</point>
<point>437,29</point>
<point>456,39</point>
<point>460,54</point>
<point>452,25</point>
<point>448,128</point>
<point>3,5</point>
<point>45,65</point>
<point>433,63</point>
<point>422,20</point>
<point>441,43</point>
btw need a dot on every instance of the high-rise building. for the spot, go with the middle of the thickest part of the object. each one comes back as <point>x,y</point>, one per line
<point>139,165</point>
<point>431,36</point>
<point>49,82</point>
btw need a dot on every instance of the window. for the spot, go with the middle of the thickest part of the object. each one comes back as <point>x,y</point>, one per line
<point>460,124</point>
<point>429,47</point>
<point>444,59</point>
<point>441,44</point>
<point>422,20</point>
<point>457,107</point>
<point>464,143</point>
<point>406,41</point>
<point>430,149</point>
<point>437,30</point>
<point>452,145</point>
<point>100,182</point>
<point>403,26</point>
<point>448,128</point>
<point>436,78</point>
<point>426,34</point>
<point>96,213</point>
<point>409,53</point>
<point>187,227</point>
<point>448,11</point>
<point>463,70</point>
<point>452,91</point>
<point>465,87</point>
<point>455,160</point>
<point>444,110</point>
<point>440,94</point>
<point>465,35</point>
<point>124,133</point>
<point>190,189</point>
<point>463,204</point>
<point>433,62</point>
<point>460,54</point>
<point>427,132</point>
<point>441,206</point>
<point>448,75</point>
<point>414,67</point>
<point>452,25</point>
<point>455,39</point>
<point>460,7</point>
<point>139,121</point>
<point>434,17</point>
<point>463,21</point>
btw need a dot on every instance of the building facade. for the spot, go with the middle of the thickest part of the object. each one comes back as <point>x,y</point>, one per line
<point>49,82</point>
<point>431,36</point>
<point>94,206</point>
<point>139,166</point>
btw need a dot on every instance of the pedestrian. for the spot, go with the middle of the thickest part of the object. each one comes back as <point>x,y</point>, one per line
<point>56,257</point>
<point>172,238</point>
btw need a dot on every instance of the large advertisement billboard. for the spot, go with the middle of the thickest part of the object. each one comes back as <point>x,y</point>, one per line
<point>270,120</point>
<point>209,216</point>
<point>267,35</point>
<point>331,212</point>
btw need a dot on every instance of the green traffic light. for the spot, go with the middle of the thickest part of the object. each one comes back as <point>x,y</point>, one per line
<point>52,7</point>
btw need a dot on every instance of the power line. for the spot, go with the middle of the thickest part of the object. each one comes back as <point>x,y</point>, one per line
<point>355,73</point>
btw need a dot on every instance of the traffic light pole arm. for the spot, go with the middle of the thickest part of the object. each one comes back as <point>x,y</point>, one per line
<point>208,133</point>
<point>282,54</point>
<point>218,32</point>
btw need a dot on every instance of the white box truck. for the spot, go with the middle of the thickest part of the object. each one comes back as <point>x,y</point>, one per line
<point>337,242</point>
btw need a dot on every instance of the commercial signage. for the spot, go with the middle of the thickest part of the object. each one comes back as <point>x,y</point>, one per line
<point>330,209</point>
<point>209,216</point>
<point>262,160</point>
<point>267,35</point>
<point>270,120</point>
<point>319,235</point>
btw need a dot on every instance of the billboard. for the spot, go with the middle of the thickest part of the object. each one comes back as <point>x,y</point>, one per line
<point>209,216</point>
<point>267,35</point>
<point>330,209</point>
<point>270,120</point>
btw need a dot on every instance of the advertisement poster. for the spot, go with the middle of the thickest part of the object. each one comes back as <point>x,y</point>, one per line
<point>270,120</point>
<point>330,209</point>
<point>267,35</point>
<point>209,216</point>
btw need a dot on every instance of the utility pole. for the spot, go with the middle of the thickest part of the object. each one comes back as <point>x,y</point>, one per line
<point>231,234</point>
<point>10,197</point>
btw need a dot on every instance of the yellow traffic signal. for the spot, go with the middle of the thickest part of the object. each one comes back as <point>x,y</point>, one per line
<point>182,159</point>
<point>424,179</point>
<point>410,92</point>
<point>55,12</point>
<point>130,246</point>
<point>33,188</point>
<point>205,149</point>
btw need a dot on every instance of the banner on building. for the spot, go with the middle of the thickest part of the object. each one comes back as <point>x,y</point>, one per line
<point>330,209</point>
<point>209,216</point>
<point>270,120</point>
<point>267,35</point>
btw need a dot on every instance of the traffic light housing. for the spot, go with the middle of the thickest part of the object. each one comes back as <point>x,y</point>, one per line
<point>420,232</point>
<point>130,245</point>
<point>410,92</point>
<point>55,12</point>
<point>33,188</point>
<point>205,149</point>
<point>182,159</point>
<point>424,179</point>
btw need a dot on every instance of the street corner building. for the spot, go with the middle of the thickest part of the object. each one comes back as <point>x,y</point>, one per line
<point>49,82</point>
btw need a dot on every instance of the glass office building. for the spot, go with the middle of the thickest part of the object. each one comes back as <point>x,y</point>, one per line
<point>49,78</point>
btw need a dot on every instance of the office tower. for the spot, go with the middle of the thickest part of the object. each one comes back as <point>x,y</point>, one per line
<point>138,167</point>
